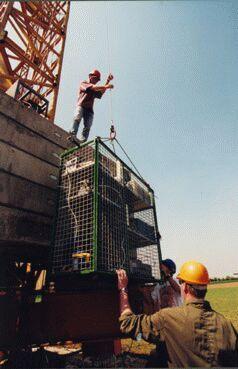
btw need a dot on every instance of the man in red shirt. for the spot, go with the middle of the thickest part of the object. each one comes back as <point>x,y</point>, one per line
<point>167,293</point>
<point>88,91</point>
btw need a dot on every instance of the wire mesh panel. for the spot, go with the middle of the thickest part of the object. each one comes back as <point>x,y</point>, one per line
<point>106,216</point>
<point>144,244</point>
<point>73,244</point>
<point>112,237</point>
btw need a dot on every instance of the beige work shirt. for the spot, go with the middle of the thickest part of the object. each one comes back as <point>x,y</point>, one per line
<point>192,335</point>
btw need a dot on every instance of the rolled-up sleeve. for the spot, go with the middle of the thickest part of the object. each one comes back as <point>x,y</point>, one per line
<point>98,94</point>
<point>85,86</point>
<point>148,325</point>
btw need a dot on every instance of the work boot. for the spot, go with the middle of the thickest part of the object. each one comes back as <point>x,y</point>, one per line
<point>71,136</point>
<point>82,140</point>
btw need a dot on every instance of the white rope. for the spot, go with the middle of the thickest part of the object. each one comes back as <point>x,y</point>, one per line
<point>109,65</point>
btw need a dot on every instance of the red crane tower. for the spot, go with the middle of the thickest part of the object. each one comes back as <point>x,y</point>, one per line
<point>32,40</point>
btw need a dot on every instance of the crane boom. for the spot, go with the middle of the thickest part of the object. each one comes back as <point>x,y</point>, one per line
<point>32,41</point>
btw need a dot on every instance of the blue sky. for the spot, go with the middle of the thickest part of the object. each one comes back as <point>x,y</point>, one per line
<point>175,109</point>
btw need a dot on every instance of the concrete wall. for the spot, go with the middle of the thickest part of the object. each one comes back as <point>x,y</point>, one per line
<point>29,150</point>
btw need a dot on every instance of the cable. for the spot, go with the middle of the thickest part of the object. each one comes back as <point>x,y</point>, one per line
<point>113,147</point>
<point>129,159</point>
<point>71,210</point>
<point>108,47</point>
<point>109,65</point>
<point>157,197</point>
<point>124,151</point>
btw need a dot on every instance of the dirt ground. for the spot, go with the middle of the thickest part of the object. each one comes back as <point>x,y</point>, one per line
<point>223,285</point>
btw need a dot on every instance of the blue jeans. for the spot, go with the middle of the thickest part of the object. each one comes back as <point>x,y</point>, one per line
<point>87,116</point>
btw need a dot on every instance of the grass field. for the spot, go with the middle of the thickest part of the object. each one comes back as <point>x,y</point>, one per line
<point>225,301</point>
<point>225,281</point>
<point>223,298</point>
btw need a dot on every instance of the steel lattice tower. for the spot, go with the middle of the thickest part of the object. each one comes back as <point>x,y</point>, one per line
<point>32,40</point>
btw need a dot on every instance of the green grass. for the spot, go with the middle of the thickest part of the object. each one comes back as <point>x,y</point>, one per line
<point>225,281</point>
<point>225,301</point>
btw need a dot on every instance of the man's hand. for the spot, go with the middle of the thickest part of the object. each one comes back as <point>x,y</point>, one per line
<point>122,278</point>
<point>109,86</point>
<point>110,77</point>
<point>169,278</point>
<point>165,270</point>
<point>122,285</point>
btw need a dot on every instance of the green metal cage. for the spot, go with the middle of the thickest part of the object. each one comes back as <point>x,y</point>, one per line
<point>106,217</point>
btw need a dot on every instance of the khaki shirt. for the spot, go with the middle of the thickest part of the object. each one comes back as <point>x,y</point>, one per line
<point>193,335</point>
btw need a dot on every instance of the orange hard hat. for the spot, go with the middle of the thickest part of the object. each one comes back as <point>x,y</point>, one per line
<point>194,272</point>
<point>96,73</point>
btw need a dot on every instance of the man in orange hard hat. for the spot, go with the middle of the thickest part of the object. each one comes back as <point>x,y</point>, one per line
<point>192,335</point>
<point>88,91</point>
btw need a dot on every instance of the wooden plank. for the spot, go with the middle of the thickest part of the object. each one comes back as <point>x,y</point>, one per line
<point>20,193</point>
<point>17,162</point>
<point>21,227</point>
<point>23,138</point>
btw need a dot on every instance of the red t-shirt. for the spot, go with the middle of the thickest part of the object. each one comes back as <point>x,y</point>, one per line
<point>86,95</point>
<point>165,296</point>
